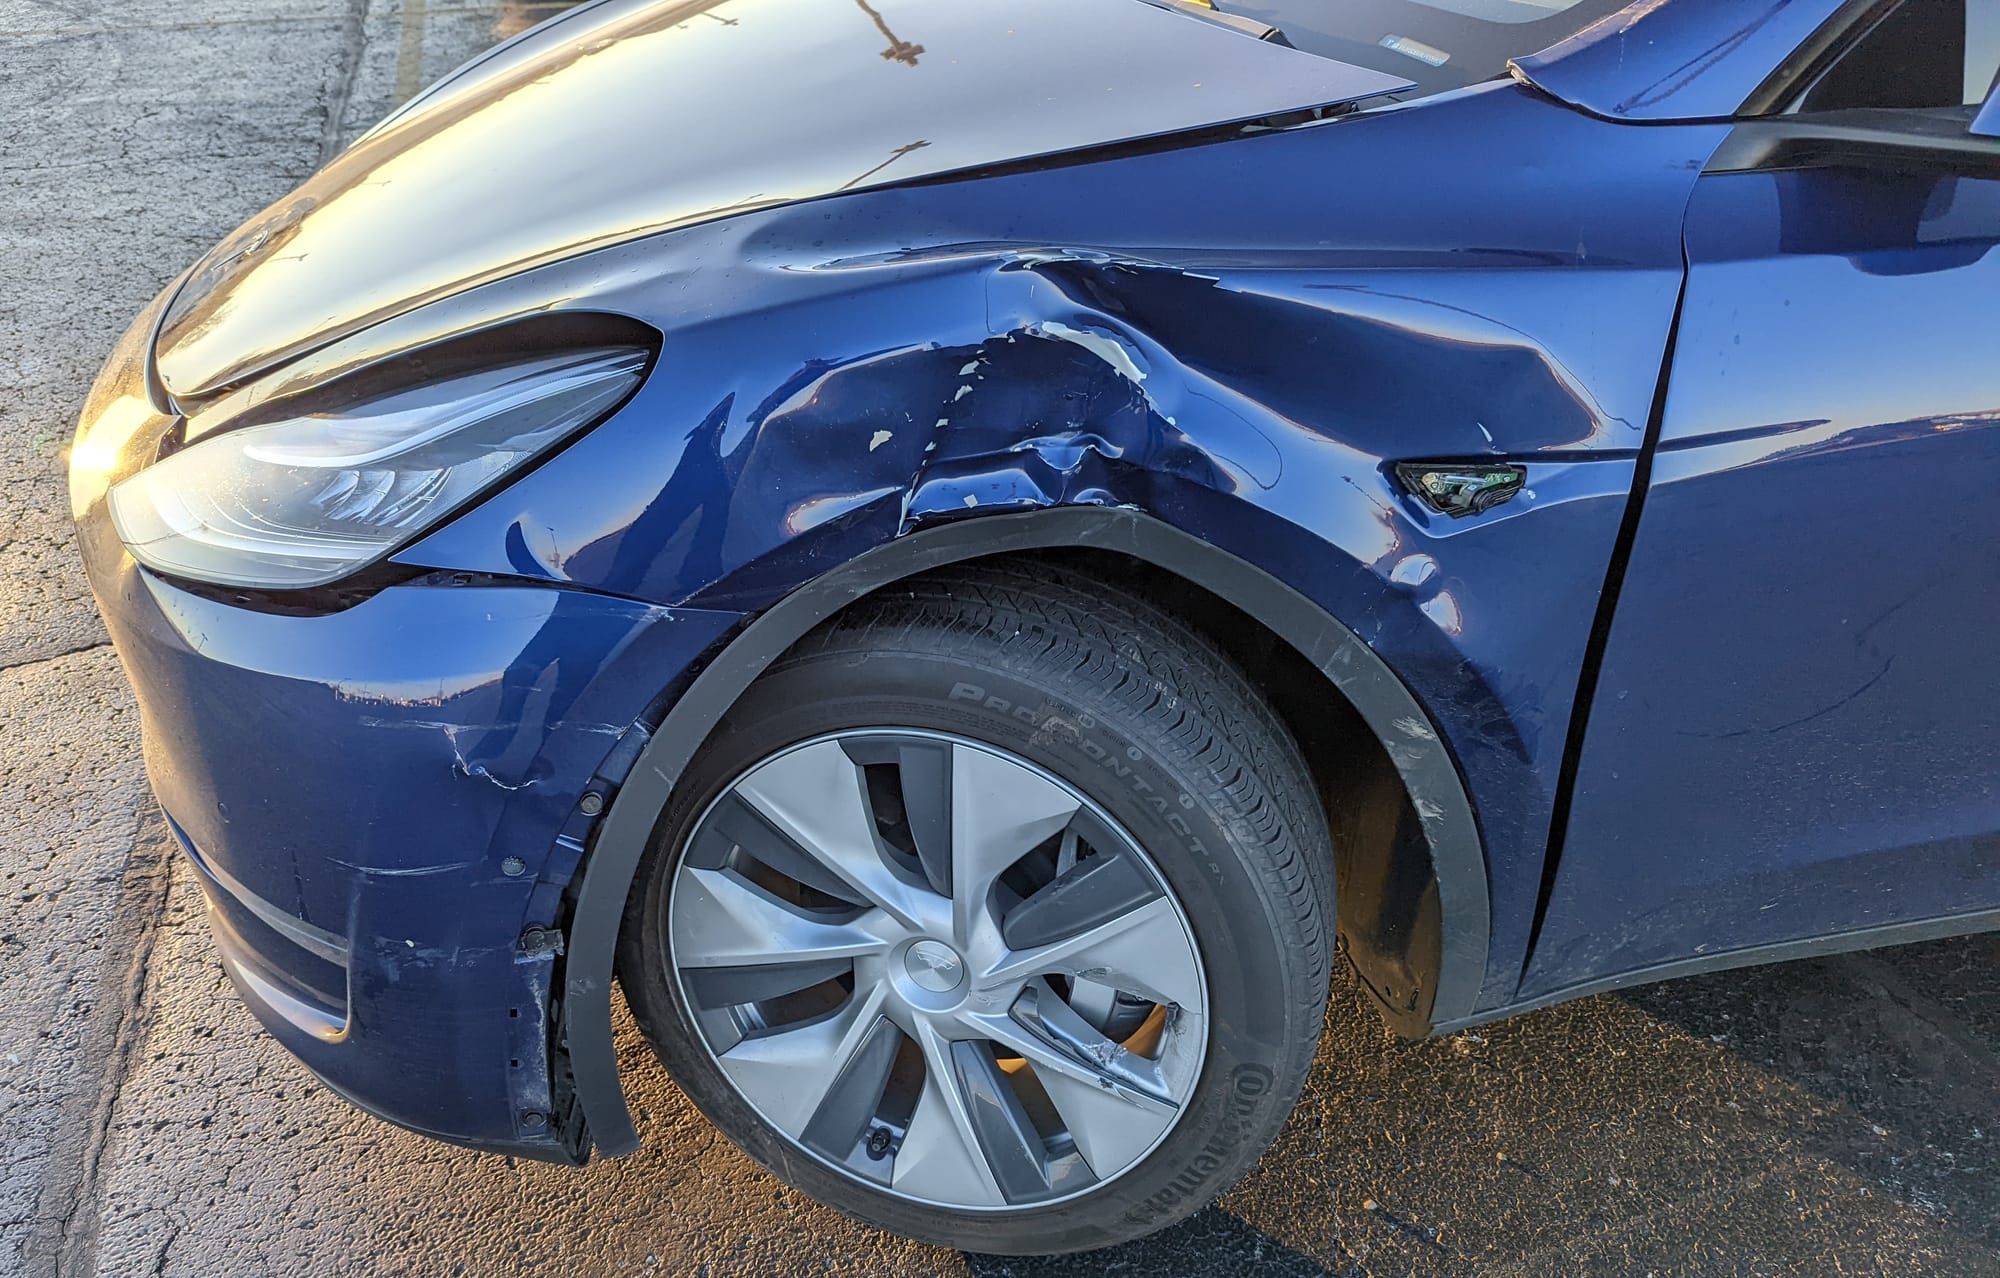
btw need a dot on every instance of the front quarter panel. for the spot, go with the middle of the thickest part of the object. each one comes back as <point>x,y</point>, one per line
<point>1237,338</point>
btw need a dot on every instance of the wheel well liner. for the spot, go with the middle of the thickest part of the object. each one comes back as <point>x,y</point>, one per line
<point>1405,731</point>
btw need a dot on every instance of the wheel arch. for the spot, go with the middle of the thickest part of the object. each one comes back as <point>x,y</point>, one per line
<point>1408,739</point>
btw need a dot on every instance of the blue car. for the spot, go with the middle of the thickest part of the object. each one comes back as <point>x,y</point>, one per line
<point>970,553</point>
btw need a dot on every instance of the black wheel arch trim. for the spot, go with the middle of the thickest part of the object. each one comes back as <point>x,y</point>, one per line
<point>1406,731</point>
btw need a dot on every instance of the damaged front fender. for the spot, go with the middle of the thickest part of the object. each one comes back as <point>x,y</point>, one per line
<point>1055,383</point>
<point>840,379</point>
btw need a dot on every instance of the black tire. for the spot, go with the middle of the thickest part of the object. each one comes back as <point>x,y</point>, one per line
<point>1068,673</point>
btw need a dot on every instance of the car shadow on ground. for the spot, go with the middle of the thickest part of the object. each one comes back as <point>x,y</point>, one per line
<point>1839,1114</point>
<point>1211,1242</point>
<point>1900,1048</point>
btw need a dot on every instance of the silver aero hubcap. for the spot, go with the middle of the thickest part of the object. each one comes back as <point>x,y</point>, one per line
<point>938,969</point>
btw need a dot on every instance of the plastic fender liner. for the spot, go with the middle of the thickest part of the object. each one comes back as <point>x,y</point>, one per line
<point>1426,767</point>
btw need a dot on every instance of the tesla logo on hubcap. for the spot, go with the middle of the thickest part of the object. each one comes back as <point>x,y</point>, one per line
<point>934,965</point>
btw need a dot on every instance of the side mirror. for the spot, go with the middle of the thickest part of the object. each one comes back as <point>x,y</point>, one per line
<point>1863,138</point>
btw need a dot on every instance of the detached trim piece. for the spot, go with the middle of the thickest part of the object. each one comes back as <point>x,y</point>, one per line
<point>1425,765</point>
<point>1653,63</point>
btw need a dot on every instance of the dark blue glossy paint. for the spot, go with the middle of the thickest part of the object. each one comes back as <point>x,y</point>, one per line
<point>1803,636</point>
<point>1237,335</point>
<point>435,735</point>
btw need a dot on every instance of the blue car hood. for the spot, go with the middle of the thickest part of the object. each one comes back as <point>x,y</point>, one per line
<point>631,117</point>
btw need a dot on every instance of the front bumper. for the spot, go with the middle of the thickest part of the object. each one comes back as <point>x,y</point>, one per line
<point>381,802</point>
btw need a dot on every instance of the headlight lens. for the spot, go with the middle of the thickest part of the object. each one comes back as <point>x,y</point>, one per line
<point>310,499</point>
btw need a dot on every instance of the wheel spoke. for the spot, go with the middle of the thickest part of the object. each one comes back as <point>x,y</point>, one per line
<point>1049,1033</point>
<point>1093,893</point>
<point>941,1157</point>
<point>735,824</point>
<point>850,1105</point>
<point>1144,951</point>
<point>941,1154</point>
<point>1114,1103</point>
<point>989,1116</point>
<point>1110,1132</point>
<point>714,988</point>
<point>923,771</point>
<point>815,797</point>
<point>723,920</point>
<point>789,1073</point>
<point>1006,1135</point>
<point>1000,811</point>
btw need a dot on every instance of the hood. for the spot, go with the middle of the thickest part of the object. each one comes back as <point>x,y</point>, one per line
<point>632,118</point>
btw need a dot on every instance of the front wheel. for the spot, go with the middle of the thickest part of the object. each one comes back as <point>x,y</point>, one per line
<point>995,914</point>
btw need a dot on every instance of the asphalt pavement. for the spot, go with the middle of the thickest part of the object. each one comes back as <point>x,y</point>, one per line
<point>1840,1116</point>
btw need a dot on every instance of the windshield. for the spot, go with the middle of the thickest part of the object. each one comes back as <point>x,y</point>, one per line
<point>1440,44</point>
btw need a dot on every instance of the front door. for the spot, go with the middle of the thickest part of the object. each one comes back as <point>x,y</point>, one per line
<point>1796,729</point>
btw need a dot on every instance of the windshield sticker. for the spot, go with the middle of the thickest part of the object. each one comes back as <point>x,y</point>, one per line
<point>1427,53</point>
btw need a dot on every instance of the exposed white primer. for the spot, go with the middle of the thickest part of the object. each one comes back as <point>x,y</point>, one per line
<point>1105,348</point>
<point>971,500</point>
<point>880,438</point>
<point>963,391</point>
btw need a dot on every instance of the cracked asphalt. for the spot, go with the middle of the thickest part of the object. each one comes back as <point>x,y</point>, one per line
<point>1839,1116</point>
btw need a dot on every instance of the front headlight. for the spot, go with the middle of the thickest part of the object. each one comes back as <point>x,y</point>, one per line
<point>310,499</point>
